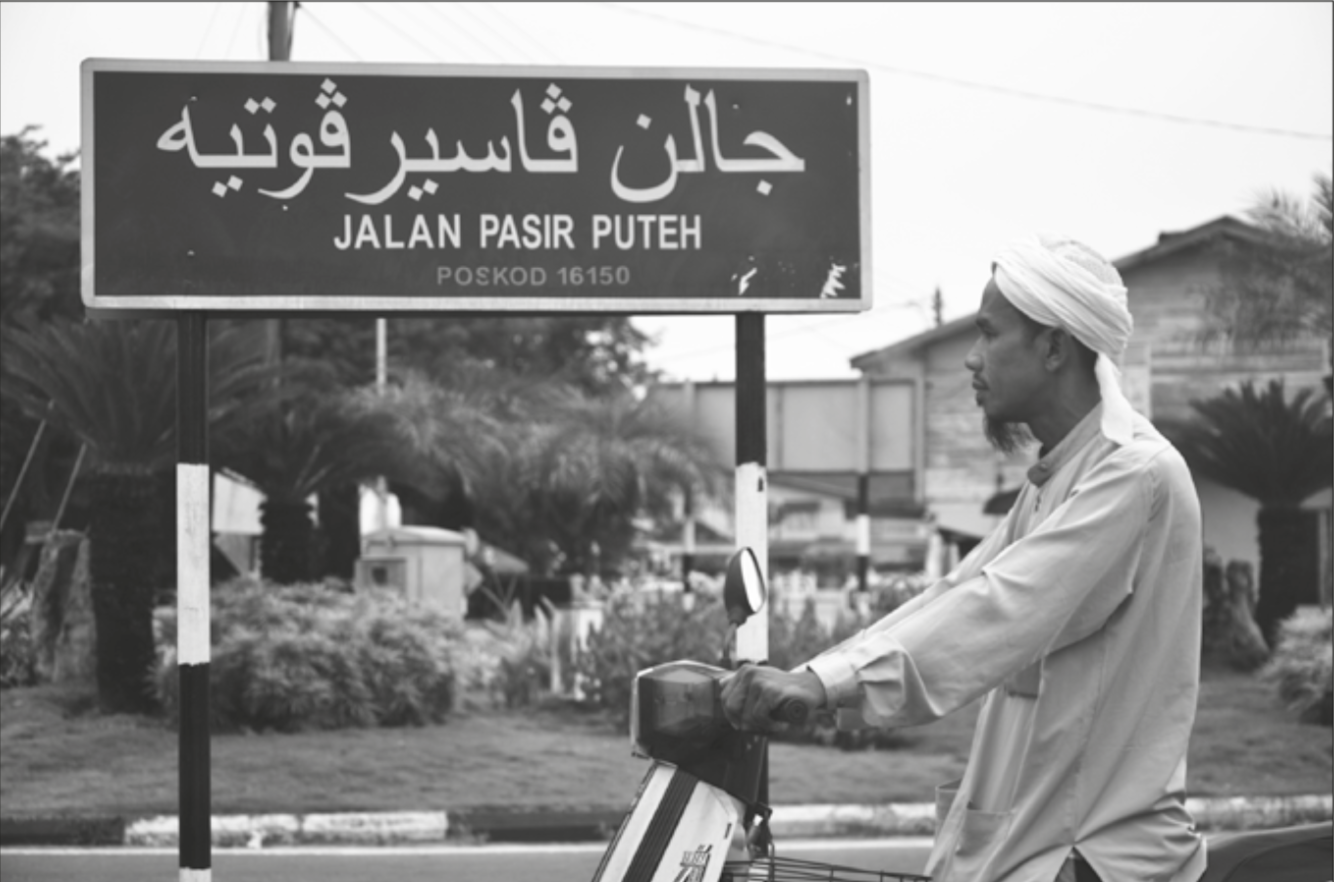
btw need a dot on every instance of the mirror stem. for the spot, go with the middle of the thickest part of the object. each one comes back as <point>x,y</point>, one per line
<point>727,647</point>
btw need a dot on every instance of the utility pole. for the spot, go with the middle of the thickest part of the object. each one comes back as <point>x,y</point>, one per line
<point>280,49</point>
<point>381,381</point>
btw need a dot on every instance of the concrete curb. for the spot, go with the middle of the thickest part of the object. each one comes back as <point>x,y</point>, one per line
<point>566,824</point>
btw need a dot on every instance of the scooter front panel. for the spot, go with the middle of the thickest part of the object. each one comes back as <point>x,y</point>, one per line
<point>678,829</point>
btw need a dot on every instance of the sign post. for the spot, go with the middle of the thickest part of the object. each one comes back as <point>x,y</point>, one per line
<point>263,189</point>
<point>193,541</point>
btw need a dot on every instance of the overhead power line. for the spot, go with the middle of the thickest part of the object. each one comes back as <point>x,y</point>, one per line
<point>550,56</point>
<point>208,30</point>
<point>488,29</point>
<point>446,36</point>
<point>370,7</point>
<point>973,84</point>
<point>241,12</point>
<point>304,9</point>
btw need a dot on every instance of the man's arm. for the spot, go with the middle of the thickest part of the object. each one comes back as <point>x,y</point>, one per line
<point>1055,586</point>
<point>969,567</point>
<point>751,693</point>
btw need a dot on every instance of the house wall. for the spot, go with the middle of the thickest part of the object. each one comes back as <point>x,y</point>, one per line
<point>1168,299</point>
<point>1169,362</point>
<point>961,470</point>
<point>1229,522</point>
<point>820,441</point>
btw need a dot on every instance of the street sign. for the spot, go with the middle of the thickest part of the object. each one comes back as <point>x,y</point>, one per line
<point>289,187</point>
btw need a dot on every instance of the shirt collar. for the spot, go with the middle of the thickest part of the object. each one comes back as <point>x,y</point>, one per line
<point>1084,431</point>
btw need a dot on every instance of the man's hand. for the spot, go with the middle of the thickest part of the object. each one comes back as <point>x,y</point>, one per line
<point>751,694</point>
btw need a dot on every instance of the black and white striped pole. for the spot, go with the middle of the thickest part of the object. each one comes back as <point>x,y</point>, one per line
<point>688,514</point>
<point>752,506</point>
<point>863,484</point>
<point>752,501</point>
<point>192,594</point>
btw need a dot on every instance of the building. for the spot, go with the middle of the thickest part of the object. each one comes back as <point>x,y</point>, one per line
<point>830,443</point>
<point>1171,360</point>
<point>911,426</point>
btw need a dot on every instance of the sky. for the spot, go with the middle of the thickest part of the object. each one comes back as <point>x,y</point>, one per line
<point>1110,122</point>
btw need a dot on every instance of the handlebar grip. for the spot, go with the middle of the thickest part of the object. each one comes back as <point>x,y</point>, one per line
<point>790,710</point>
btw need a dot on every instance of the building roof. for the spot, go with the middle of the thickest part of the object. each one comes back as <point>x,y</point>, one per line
<point>917,341</point>
<point>1173,243</point>
<point>413,535</point>
<point>1168,243</point>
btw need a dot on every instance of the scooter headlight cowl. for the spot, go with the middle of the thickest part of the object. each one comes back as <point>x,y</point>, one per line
<point>676,707</point>
<point>676,717</point>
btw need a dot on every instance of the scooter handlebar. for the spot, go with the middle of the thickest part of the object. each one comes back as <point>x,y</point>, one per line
<point>790,710</point>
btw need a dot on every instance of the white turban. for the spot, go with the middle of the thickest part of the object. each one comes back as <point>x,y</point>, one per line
<point>1059,282</point>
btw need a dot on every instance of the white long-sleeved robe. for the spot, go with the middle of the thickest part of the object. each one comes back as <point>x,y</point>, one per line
<point>1080,615</point>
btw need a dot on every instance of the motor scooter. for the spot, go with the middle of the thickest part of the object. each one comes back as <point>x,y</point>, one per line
<point>701,812</point>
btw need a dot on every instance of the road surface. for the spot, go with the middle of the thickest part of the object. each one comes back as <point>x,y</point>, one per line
<point>494,863</point>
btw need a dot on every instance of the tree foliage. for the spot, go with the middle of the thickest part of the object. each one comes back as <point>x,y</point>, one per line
<point>1277,451</point>
<point>1279,288</point>
<point>314,438</point>
<point>39,233</point>
<point>39,280</point>
<point>597,354</point>
<point>1260,442</point>
<point>112,386</point>
<point>603,462</point>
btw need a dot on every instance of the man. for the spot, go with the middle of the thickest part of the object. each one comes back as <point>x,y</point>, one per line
<point>1078,618</point>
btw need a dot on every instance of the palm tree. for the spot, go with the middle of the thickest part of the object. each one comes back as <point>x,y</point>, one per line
<point>1277,451</point>
<point>318,439</point>
<point>453,426</point>
<point>582,469</point>
<point>112,386</point>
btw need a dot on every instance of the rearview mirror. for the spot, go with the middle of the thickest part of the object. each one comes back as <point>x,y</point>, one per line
<point>743,586</point>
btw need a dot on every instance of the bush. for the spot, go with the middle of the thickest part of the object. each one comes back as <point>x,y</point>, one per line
<point>523,674</point>
<point>16,667</point>
<point>640,631</point>
<point>896,590</point>
<point>793,642</point>
<point>1300,668</point>
<point>310,657</point>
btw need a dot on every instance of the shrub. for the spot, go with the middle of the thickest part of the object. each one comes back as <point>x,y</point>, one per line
<point>524,671</point>
<point>895,590</point>
<point>309,657</point>
<point>793,642</point>
<point>16,667</point>
<point>640,631</point>
<point>1300,668</point>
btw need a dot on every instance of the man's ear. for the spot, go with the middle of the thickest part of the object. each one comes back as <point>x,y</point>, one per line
<point>1057,349</point>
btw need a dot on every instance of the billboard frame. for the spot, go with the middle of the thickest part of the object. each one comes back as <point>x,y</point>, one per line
<point>165,304</point>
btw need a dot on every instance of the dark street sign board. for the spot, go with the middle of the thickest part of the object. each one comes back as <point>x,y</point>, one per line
<point>286,187</point>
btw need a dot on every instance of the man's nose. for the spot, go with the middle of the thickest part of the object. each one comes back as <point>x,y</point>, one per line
<point>973,360</point>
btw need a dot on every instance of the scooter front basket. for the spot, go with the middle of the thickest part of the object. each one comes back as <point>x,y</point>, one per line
<point>786,869</point>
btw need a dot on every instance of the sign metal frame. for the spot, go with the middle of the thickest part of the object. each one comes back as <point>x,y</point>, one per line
<point>167,302</point>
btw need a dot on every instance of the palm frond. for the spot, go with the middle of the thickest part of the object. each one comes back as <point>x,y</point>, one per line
<point>317,441</point>
<point>1260,443</point>
<point>112,384</point>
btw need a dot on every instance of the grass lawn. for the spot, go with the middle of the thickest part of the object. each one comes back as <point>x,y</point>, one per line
<point>58,757</point>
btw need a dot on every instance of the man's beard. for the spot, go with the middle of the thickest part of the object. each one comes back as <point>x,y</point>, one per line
<point>1005,437</point>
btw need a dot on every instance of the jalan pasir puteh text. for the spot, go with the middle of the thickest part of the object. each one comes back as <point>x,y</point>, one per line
<point>528,232</point>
